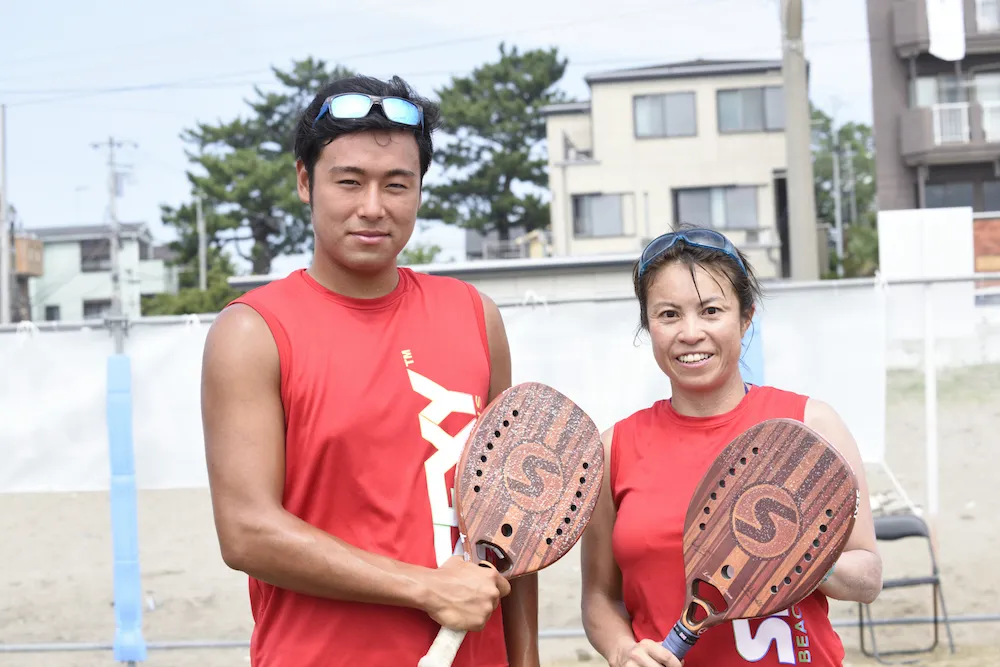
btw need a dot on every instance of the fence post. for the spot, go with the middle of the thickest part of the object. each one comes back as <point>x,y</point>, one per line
<point>129,644</point>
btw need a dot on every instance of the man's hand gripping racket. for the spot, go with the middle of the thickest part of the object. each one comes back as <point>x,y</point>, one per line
<point>767,522</point>
<point>525,488</point>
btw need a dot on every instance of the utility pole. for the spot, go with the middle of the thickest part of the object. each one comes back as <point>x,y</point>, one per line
<point>853,184</point>
<point>802,223</point>
<point>202,246</point>
<point>129,645</point>
<point>838,217</point>
<point>5,254</point>
<point>117,316</point>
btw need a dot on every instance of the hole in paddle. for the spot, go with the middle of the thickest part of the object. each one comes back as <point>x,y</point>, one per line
<point>494,555</point>
<point>707,600</point>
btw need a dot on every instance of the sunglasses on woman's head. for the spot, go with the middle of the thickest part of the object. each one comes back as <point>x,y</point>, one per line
<point>702,238</point>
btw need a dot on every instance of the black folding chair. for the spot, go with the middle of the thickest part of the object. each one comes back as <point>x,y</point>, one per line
<point>898,527</point>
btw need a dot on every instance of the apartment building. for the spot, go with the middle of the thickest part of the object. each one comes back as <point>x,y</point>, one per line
<point>937,122</point>
<point>76,282</point>
<point>699,142</point>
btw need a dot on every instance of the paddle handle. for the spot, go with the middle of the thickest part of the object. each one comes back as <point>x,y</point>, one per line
<point>679,640</point>
<point>444,649</point>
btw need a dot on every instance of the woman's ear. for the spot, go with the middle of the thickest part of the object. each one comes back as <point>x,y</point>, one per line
<point>747,321</point>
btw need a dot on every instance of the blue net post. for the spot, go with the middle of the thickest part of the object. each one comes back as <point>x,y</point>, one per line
<point>129,644</point>
<point>753,354</point>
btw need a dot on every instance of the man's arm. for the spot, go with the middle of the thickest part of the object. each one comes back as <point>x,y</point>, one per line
<point>520,608</point>
<point>244,426</point>
<point>857,574</point>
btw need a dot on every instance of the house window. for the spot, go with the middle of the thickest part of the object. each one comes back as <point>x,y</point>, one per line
<point>947,195</point>
<point>95,255</point>
<point>721,207</point>
<point>751,109</point>
<point>668,115</point>
<point>926,91</point>
<point>991,196</point>
<point>51,313</point>
<point>95,309</point>
<point>598,215</point>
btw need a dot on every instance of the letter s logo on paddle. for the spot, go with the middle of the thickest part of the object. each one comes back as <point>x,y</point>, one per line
<point>533,477</point>
<point>765,521</point>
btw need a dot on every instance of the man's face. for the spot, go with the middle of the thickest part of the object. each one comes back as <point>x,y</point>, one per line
<point>365,197</point>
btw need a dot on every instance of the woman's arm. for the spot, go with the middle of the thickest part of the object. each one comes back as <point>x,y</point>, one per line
<point>857,575</point>
<point>604,617</point>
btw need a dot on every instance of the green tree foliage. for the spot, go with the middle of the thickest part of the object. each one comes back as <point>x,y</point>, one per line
<point>245,172</point>
<point>190,298</point>
<point>854,143</point>
<point>419,254</point>
<point>493,155</point>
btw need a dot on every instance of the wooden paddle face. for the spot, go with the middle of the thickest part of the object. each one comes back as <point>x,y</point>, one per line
<point>767,522</point>
<point>528,478</point>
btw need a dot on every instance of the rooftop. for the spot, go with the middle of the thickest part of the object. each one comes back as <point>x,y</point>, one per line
<point>82,232</point>
<point>686,68</point>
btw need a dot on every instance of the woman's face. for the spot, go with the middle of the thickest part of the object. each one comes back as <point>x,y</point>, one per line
<point>695,326</point>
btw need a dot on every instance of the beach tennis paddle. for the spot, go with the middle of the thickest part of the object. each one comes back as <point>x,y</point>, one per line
<point>766,523</point>
<point>525,487</point>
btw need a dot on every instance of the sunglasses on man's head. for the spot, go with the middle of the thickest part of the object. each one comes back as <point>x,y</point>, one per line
<point>359,105</point>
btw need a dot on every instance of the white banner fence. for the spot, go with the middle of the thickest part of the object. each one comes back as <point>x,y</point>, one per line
<point>833,340</point>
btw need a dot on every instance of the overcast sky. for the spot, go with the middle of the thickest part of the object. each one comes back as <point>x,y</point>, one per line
<point>75,73</point>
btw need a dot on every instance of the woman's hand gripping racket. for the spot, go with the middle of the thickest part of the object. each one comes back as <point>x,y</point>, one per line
<point>767,522</point>
<point>525,487</point>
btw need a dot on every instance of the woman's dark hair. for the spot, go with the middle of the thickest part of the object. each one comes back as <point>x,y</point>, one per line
<point>309,141</point>
<point>745,285</point>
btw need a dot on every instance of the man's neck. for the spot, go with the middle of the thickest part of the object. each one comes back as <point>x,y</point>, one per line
<point>354,285</point>
<point>708,403</point>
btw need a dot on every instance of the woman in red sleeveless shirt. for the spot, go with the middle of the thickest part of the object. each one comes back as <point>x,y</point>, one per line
<point>697,295</point>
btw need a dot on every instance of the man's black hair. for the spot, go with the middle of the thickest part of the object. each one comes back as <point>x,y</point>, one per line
<point>309,141</point>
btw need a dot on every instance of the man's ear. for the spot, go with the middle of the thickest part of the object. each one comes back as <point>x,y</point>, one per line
<point>302,181</point>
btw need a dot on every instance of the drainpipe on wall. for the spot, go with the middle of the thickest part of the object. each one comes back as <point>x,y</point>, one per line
<point>922,186</point>
<point>645,199</point>
<point>567,210</point>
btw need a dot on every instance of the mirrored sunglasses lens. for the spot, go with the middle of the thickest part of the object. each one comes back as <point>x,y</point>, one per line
<point>656,247</point>
<point>707,237</point>
<point>350,106</point>
<point>401,111</point>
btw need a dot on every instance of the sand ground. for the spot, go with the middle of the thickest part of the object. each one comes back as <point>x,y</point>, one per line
<point>56,578</point>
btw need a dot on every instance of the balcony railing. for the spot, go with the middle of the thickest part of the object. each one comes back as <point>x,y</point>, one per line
<point>991,121</point>
<point>950,133</point>
<point>951,123</point>
<point>988,15</point>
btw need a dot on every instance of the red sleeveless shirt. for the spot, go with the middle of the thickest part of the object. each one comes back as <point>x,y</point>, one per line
<point>657,459</point>
<point>379,396</point>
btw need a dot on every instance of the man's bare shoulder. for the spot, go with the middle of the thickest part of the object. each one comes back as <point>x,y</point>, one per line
<point>238,336</point>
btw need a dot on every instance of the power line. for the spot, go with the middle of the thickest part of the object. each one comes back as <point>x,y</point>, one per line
<point>654,8</point>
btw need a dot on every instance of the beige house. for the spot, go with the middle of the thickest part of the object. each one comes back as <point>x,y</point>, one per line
<point>699,142</point>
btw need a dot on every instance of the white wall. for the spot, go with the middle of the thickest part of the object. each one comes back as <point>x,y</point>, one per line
<point>647,169</point>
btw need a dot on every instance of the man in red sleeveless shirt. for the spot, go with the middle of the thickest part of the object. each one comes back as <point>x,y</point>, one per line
<point>336,402</point>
